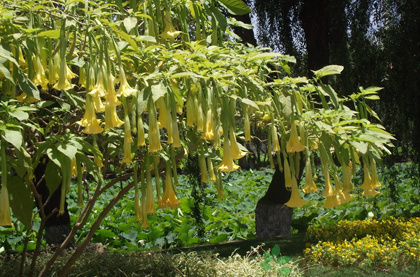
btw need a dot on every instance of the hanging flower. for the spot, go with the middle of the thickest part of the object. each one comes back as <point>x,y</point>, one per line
<point>234,147</point>
<point>295,199</point>
<point>63,80</point>
<point>347,184</point>
<point>212,176</point>
<point>329,190</point>
<point>154,136</point>
<point>125,89</point>
<point>99,88</point>
<point>5,219</point>
<point>367,186</point>
<point>294,144</point>
<point>40,78</point>
<point>275,139</point>
<point>309,182</point>
<point>169,32</point>
<point>208,133</point>
<point>111,118</point>
<point>227,164</point>
<point>127,149</point>
<point>89,121</point>
<point>140,132</point>
<point>161,106</point>
<point>169,196</point>
<point>375,180</point>
<point>176,141</point>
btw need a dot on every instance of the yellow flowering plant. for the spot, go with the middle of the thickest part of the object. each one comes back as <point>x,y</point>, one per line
<point>174,90</point>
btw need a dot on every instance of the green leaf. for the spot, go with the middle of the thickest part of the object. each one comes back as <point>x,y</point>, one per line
<point>13,137</point>
<point>6,73</point>
<point>21,201</point>
<point>268,55</point>
<point>19,114</point>
<point>55,156</point>
<point>265,266</point>
<point>328,70</point>
<point>27,85</point>
<point>250,103</point>
<point>130,23</point>
<point>7,55</point>
<point>236,7</point>
<point>158,91</point>
<point>68,150</point>
<point>275,250</point>
<point>50,34</point>
<point>221,19</point>
<point>126,37</point>
<point>361,146</point>
<point>284,271</point>
<point>283,260</point>
<point>331,93</point>
<point>105,233</point>
<point>52,176</point>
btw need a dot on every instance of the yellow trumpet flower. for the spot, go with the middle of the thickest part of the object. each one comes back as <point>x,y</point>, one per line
<point>150,201</point>
<point>329,190</point>
<point>309,182</point>
<point>89,121</point>
<point>125,89</point>
<point>294,144</point>
<point>169,196</point>
<point>367,186</point>
<point>175,132</point>
<point>169,32</point>
<point>342,197</point>
<point>236,153</point>
<point>40,79</point>
<point>275,139</point>
<point>212,176</point>
<point>295,199</point>
<point>111,118</point>
<point>63,80</point>
<point>375,180</point>
<point>161,106</point>
<point>347,184</point>
<point>127,149</point>
<point>99,88</point>
<point>227,164</point>
<point>154,136</point>
<point>5,219</point>
<point>140,132</point>
<point>208,133</point>
<point>137,207</point>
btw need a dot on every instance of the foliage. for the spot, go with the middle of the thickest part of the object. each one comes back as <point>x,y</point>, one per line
<point>272,259</point>
<point>133,87</point>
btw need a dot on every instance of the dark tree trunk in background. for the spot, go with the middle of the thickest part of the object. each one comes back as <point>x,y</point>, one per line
<point>314,17</point>
<point>272,217</point>
<point>247,35</point>
<point>57,227</point>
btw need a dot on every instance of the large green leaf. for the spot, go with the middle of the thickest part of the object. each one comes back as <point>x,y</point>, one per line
<point>21,202</point>
<point>68,150</point>
<point>19,114</point>
<point>27,85</point>
<point>236,7</point>
<point>130,23</point>
<point>158,91</point>
<point>13,137</point>
<point>52,176</point>
<point>49,34</point>
<point>221,19</point>
<point>328,70</point>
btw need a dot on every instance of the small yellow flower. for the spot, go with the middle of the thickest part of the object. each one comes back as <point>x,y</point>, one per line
<point>208,133</point>
<point>89,121</point>
<point>234,147</point>
<point>309,182</point>
<point>40,79</point>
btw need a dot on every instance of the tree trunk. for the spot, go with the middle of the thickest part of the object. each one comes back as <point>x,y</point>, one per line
<point>314,17</point>
<point>272,217</point>
<point>57,227</point>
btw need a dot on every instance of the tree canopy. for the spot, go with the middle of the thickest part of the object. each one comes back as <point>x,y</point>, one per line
<point>135,86</point>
